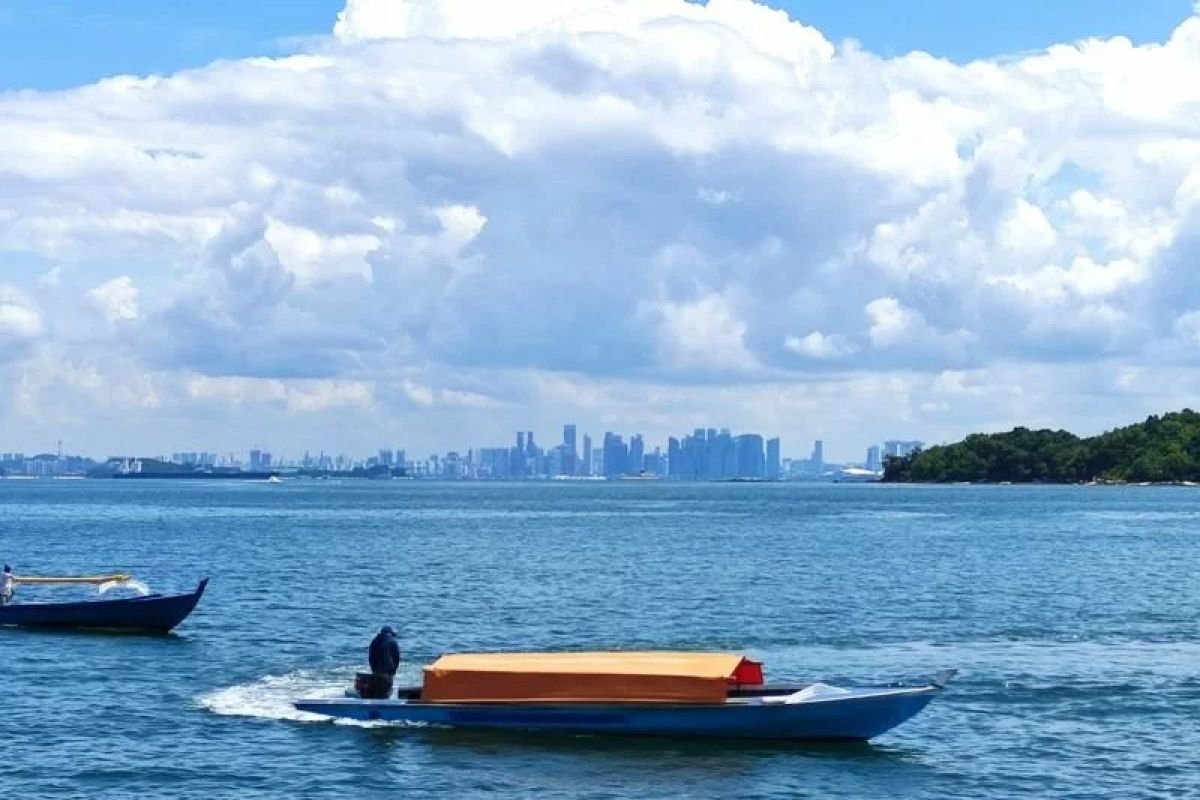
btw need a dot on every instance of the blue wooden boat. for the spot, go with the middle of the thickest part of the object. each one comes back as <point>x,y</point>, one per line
<point>644,694</point>
<point>152,613</point>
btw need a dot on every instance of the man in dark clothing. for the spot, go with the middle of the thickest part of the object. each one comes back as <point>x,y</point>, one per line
<point>384,657</point>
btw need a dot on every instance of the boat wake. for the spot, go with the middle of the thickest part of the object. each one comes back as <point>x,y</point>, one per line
<point>271,697</point>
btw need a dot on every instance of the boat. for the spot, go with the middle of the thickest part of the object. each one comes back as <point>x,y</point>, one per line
<point>686,694</point>
<point>152,613</point>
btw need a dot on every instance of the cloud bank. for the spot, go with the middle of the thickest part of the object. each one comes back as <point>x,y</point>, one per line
<point>640,214</point>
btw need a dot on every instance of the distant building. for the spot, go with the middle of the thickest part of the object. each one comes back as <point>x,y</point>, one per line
<point>585,465</point>
<point>568,465</point>
<point>260,461</point>
<point>616,455</point>
<point>494,462</point>
<point>749,460</point>
<point>817,462</point>
<point>774,469</point>
<point>637,449</point>
<point>874,461</point>
<point>900,449</point>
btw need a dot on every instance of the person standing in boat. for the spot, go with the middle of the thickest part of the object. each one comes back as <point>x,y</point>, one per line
<point>384,658</point>
<point>7,581</point>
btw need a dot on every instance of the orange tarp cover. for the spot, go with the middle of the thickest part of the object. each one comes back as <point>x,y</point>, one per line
<point>646,677</point>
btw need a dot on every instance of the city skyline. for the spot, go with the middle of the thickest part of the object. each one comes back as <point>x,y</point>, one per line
<point>251,456</point>
<point>437,221</point>
<point>703,454</point>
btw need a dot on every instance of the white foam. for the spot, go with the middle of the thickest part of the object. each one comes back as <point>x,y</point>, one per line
<point>271,697</point>
<point>136,585</point>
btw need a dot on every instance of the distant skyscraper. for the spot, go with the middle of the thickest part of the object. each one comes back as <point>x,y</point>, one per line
<point>748,456</point>
<point>569,467</point>
<point>874,462</point>
<point>773,467</point>
<point>901,448</point>
<point>637,448</point>
<point>817,461</point>
<point>585,466</point>
<point>530,447</point>
<point>521,442</point>
<point>616,455</point>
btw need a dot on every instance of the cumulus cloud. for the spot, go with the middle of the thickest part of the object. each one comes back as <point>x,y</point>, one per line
<point>818,345</point>
<point>20,323</point>
<point>303,396</point>
<point>891,323</point>
<point>116,299</point>
<point>704,334</point>
<point>442,195</point>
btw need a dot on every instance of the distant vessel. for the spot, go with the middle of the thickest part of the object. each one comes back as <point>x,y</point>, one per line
<point>857,475</point>
<point>200,475</point>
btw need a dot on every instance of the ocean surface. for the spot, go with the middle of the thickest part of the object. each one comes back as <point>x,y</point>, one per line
<point>1071,612</point>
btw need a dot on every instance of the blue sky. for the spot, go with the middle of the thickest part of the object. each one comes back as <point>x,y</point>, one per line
<point>441,221</point>
<point>51,44</point>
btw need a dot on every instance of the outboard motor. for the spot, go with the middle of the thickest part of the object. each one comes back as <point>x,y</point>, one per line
<point>371,686</point>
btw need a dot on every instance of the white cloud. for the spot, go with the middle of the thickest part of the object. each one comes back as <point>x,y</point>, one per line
<point>1084,278</point>
<point>116,299</point>
<point>891,323</point>
<point>1026,231</point>
<point>460,225</point>
<point>20,323</point>
<point>296,396</point>
<point>418,394</point>
<point>704,334</point>
<point>818,345</point>
<point>715,197</point>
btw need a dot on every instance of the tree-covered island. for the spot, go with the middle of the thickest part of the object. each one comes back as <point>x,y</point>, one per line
<point>1162,449</point>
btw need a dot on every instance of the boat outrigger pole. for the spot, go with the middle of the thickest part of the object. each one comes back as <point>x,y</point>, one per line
<point>54,581</point>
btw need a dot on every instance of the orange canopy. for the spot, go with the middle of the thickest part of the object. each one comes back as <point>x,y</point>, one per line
<point>638,677</point>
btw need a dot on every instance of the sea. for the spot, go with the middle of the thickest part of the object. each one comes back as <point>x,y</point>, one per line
<point>1071,613</point>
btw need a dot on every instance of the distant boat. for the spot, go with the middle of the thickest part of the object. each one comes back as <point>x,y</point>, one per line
<point>152,613</point>
<point>197,475</point>
<point>857,475</point>
<point>274,479</point>
<point>712,695</point>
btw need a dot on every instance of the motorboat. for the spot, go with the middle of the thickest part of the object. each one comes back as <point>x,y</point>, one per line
<point>663,693</point>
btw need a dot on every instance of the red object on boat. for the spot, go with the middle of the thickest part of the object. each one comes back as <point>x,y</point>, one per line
<point>748,673</point>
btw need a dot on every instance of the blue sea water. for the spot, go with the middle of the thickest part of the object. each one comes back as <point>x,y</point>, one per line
<point>1070,611</point>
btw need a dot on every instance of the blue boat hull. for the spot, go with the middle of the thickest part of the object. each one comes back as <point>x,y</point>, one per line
<point>858,715</point>
<point>153,613</point>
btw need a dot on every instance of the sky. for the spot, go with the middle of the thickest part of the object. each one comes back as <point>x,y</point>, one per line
<point>430,223</point>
